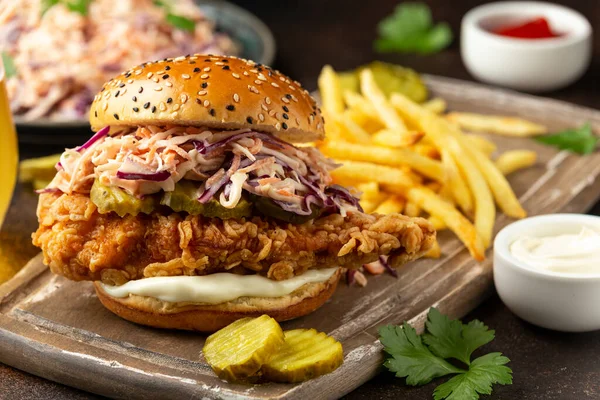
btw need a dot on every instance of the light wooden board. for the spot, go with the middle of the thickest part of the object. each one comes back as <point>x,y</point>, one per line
<point>57,329</point>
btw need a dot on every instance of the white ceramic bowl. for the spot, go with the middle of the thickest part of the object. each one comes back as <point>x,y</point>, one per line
<point>534,65</point>
<point>553,300</point>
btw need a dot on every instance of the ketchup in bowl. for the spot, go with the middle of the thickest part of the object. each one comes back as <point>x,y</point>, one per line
<point>537,28</point>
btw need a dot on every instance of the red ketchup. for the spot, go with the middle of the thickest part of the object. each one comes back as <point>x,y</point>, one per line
<point>537,28</point>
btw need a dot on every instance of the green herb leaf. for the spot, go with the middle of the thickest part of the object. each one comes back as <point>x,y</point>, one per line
<point>180,22</point>
<point>579,140</point>
<point>484,372</point>
<point>451,339</point>
<point>410,358</point>
<point>410,30</point>
<point>78,6</point>
<point>9,65</point>
<point>47,4</point>
<point>420,361</point>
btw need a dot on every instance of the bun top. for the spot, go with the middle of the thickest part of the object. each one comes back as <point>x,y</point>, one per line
<point>206,90</point>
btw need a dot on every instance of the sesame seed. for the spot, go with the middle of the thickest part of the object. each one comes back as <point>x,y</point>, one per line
<point>272,113</point>
<point>236,76</point>
<point>285,100</point>
<point>206,103</point>
<point>140,90</point>
<point>212,112</point>
<point>204,85</point>
<point>225,60</point>
<point>207,60</point>
<point>268,100</point>
<point>174,114</point>
<point>261,117</point>
<point>198,101</point>
<point>134,98</point>
<point>207,69</point>
<point>258,82</point>
<point>282,79</point>
<point>122,85</point>
<point>162,106</point>
<point>286,109</point>
<point>297,121</point>
<point>165,76</point>
<point>181,58</point>
<point>117,94</point>
<point>291,87</point>
<point>169,100</point>
<point>289,96</point>
<point>230,107</point>
<point>274,84</point>
<point>116,116</point>
<point>284,125</point>
<point>96,114</point>
<point>149,75</point>
<point>130,81</point>
<point>249,120</point>
<point>194,58</point>
<point>106,95</point>
<point>204,76</point>
<point>168,84</point>
<point>138,72</point>
<point>183,98</point>
<point>153,109</point>
<point>202,93</point>
<point>105,107</point>
<point>146,105</point>
<point>176,107</point>
<point>278,126</point>
<point>155,80</point>
<point>285,116</point>
<point>219,63</point>
<point>236,98</point>
<point>196,69</point>
<point>246,73</point>
<point>254,71</point>
<point>158,88</point>
<point>264,107</point>
<point>185,76</point>
<point>262,77</point>
<point>168,67</point>
<point>226,68</point>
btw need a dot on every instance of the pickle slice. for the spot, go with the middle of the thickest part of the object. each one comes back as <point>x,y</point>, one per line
<point>115,199</point>
<point>306,354</point>
<point>42,168</point>
<point>238,351</point>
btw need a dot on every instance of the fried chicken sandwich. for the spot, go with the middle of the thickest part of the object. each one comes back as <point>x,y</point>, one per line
<point>190,207</point>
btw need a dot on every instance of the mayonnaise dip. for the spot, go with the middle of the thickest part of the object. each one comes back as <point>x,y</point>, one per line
<point>215,288</point>
<point>568,253</point>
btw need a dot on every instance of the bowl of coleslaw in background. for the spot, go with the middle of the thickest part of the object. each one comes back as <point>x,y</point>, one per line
<point>547,270</point>
<point>220,28</point>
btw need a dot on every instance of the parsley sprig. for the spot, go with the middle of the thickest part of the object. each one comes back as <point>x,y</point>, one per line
<point>178,21</point>
<point>579,140</point>
<point>422,358</point>
<point>78,6</point>
<point>409,29</point>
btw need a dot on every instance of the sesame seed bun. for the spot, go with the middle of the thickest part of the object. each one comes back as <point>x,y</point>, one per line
<point>215,92</point>
<point>209,318</point>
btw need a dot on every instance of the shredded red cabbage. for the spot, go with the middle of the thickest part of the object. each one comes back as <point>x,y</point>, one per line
<point>47,190</point>
<point>155,176</point>
<point>208,194</point>
<point>350,276</point>
<point>205,148</point>
<point>97,136</point>
<point>384,261</point>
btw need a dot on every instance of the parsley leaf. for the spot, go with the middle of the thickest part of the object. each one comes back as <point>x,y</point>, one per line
<point>180,22</point>
<point>422,358</point>
<point>579,140</point>
<point>451,339</point>
<point>410,30</point>
<point>9,65</point>
<point>47,4</point>
<point>410,358</point>
<point>78,6</point>
<point>483,373</point>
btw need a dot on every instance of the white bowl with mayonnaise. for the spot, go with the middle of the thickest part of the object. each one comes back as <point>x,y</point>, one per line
<point>547,270</point>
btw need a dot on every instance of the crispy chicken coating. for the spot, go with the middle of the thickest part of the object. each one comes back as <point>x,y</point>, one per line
<point>82,244</point>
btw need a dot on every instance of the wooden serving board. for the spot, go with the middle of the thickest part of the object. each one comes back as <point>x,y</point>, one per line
<point>57,329</point>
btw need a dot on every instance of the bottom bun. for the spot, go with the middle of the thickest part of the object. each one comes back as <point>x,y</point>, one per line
<point>212,317</point>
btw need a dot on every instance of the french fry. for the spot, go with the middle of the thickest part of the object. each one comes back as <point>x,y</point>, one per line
<point>457,222</point>
<point>355,100</point>
<point>370,191</point>
<point>448,137</point>
<point>351,130</point>
<point>367,172</point>
<point>368,206</point>
<point>386,112</point>
<point>331,92</point>
<point>436,105</point>
<point>435,251</point>
<point>501,125</point>
<point>437,222</point>
<point>456,185</point>
<point>426,150</point>
<point>486,146</point>
<point>514,160</point>
<point>412,209</point>
<point>392,205</point>
<point>393,138</point>
<point>386,156</point>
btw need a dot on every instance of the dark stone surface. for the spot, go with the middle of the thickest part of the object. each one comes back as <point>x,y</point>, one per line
<point>546,364</point>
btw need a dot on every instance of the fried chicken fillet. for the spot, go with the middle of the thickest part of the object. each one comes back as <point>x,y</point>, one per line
<point>190,207</point>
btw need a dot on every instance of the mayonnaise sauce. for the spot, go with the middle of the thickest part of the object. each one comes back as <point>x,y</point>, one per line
<point>215,288</point>
<point>568,253</point>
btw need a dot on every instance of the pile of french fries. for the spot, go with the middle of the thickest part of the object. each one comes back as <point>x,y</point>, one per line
<point>414,159</point>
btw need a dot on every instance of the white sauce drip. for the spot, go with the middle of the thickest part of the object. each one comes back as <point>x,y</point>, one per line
<point>215,288</point>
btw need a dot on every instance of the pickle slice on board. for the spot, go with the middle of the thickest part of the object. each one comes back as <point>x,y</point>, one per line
<point>306,354</point>
<point>238,351</point>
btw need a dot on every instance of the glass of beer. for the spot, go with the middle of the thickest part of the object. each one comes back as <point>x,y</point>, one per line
<point>9,151</point>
